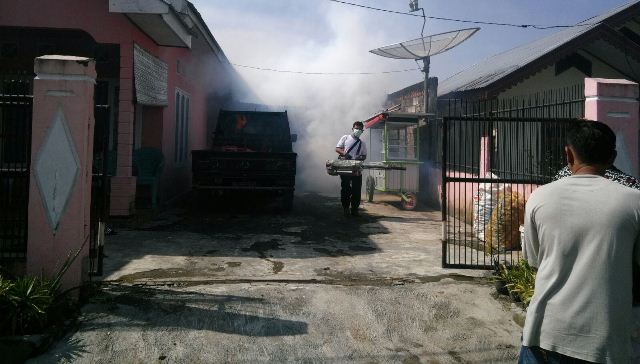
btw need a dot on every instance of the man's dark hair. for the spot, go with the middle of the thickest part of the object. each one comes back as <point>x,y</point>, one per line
<point>358,123</point>
<point>592,141</point>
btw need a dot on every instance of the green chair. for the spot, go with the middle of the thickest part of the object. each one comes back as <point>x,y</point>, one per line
<point>148,163</point>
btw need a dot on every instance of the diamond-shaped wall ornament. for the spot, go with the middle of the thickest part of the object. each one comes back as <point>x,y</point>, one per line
<point>56,169</point>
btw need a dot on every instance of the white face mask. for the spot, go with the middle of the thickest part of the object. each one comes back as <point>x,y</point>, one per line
<point>357,132</point>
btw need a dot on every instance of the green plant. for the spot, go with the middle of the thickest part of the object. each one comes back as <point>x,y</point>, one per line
<point>5,287</point>
<point>519,279</point>
<point>522,280</point>
<point>29,301</point>
<point>33,303</point>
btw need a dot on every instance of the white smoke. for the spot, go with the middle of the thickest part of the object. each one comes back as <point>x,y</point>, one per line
<point>321,108</point>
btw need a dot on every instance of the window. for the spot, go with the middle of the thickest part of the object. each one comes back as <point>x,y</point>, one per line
<point>181,152</point>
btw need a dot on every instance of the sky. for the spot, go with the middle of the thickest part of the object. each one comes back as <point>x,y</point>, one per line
<point>325,36</point>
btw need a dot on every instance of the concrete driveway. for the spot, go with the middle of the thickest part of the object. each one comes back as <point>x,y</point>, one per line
<point>310,286</point>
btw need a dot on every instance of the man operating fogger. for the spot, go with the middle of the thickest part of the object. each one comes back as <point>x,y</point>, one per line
<point>351,147</point>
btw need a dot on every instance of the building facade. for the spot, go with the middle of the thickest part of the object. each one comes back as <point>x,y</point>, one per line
<point>161,77</point>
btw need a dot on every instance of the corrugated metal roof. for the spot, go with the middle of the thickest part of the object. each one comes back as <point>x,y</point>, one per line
<point>501,65</point>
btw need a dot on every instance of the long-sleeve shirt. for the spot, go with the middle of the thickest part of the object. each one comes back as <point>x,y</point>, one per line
<point>583,233</point>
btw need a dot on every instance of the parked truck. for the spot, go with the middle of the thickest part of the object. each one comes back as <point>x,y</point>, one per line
<point>252,154</point>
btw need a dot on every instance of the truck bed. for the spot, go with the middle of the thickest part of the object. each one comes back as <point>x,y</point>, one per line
<point>243,170</point>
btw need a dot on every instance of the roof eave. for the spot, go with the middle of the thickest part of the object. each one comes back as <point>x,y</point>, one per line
<point>195,16</point>
<point>156,18</point>
<point>549,58</point>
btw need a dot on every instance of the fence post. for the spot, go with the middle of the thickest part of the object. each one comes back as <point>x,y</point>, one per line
<point>61,166</point>
<point>615,103</point>
<point>485,156</point>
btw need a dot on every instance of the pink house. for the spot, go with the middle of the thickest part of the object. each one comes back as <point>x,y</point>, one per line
<point>161,77</point>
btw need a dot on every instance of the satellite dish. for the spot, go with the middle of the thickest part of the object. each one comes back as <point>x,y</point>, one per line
<point>425,47</point>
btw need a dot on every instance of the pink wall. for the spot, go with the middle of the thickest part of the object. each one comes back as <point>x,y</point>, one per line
<point>615,103</point>
<point>460,194</point>
<point>204,75</point>
<point>152,128</point>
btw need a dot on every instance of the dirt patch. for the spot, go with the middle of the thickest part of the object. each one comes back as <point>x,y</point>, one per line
<point>362,248</point>
<point>313,217</point>
<point>277,266</point>
<point>364,279</point>
<point>411,359</point>
<point>169,274</point>
<point>233,264</point>
<point>261,247</point>
<point>331,253</point>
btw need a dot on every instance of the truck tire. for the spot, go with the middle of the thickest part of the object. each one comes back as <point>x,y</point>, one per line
<point>287,201</point>
<point>200,199</point>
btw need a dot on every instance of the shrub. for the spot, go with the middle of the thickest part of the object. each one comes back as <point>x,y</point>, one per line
<point>523,281</point>
<point>33,303</point>
<point>29,301</point>
<point>519,278</point>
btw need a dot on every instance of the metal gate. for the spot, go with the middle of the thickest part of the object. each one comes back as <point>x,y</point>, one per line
<point>15,159</point>
<point>103,164</point>
<point>490,166</point>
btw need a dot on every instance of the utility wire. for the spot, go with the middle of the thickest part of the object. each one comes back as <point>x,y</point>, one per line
<point>324,73</point>
<point>534,26</point>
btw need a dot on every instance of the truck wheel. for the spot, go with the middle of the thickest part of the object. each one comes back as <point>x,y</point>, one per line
<point>199,199</point>
<point>287,201</point>
<point>371,187</point>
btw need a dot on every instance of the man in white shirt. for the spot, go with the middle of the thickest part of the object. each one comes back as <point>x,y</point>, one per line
<point>351,147</point>
<point>583,234</point>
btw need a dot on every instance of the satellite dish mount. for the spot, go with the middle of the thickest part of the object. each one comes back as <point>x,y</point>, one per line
<point>425,47</point>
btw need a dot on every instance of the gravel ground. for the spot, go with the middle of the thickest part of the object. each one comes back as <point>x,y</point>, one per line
<point>308,287</point>
<point>440,322</point>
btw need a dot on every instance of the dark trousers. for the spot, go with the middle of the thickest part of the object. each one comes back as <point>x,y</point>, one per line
<point>350,187</point>
<point>538,355</point>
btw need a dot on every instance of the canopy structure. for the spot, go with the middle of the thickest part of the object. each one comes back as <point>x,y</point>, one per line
<point>398,117</point>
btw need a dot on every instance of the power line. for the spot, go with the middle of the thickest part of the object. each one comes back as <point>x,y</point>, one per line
<point>534,26</point>
<point>324,73</point>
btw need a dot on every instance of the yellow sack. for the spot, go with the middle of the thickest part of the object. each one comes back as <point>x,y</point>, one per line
<point>502,231</point>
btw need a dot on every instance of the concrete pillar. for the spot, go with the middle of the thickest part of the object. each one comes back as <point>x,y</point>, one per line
<point>123,185</point>
<point>615,103</point>
<point>61,166</point>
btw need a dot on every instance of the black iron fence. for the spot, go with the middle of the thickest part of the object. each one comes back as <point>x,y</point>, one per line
<point>564,103</point>
<point>15,159</point>
<point>490,166</point>
<point>103,169</point>
<point>492,155</point>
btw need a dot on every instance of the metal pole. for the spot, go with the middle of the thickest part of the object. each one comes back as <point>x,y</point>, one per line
<point>426,62</point>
